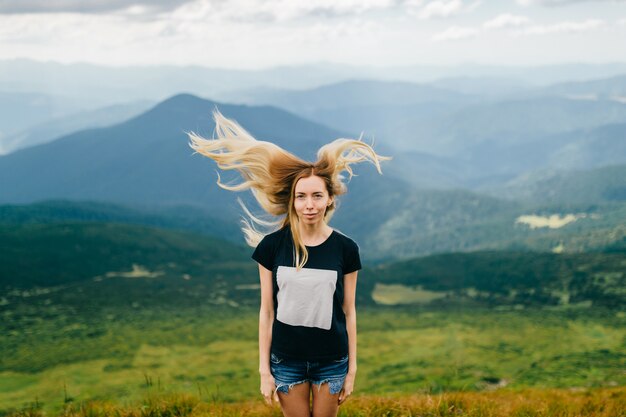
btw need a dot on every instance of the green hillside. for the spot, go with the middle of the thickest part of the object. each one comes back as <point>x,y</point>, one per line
<point>132,263</point>
<point>514,278</point>
<point>55,254</point>
<point>192,218</point>
<point>404,223</point>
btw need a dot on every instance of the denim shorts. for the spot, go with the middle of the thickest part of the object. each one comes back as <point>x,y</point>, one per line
<point>290,372</point>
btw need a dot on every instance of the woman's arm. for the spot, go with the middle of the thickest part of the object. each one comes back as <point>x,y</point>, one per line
<point>349,309</point>
<point>266,319</point>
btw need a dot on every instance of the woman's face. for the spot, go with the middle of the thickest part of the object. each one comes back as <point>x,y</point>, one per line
<point>311,199</point>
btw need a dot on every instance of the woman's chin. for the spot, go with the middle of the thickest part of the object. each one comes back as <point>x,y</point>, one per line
<point>309,220</point>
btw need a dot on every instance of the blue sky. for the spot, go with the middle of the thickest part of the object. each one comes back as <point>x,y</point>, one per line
<point>256,34</point>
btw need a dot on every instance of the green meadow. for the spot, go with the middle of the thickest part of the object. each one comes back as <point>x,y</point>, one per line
<point>112,319</point>
<point>211,352</point>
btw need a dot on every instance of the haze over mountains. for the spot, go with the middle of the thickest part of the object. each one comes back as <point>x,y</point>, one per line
<point>32,92</point>
<point>33,131</point>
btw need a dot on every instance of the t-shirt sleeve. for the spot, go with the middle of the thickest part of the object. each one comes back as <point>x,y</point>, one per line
<point>352,260</point>
<point>264,253</point>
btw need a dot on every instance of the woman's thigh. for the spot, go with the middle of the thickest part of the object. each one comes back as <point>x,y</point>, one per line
<point>296,403</point>
<point>295,379</point>
<point>325,404</point>
<point>327,379</point>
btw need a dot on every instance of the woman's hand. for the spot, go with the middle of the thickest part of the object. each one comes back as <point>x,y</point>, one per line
<point>268,388</point>
<point>348,386</point>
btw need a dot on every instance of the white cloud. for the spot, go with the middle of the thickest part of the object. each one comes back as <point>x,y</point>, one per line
<point>455,33</point>
<point>562,27</point>
<point>526,3</point>
<point>73,36</point>
<point>286,10</point>
<point>257,33</point>
<point>506,20</point>
<point>271,7</point>
<point>471,7</point>
<point>441,8</point>
<point>85,6</point>
<point>200,34</point>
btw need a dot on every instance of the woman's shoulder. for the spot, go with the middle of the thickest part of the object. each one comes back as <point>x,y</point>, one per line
<point>276,235</point>
<point>345,239</point>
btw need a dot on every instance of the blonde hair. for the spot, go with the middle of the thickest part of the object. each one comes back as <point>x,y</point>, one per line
<point>271,173</point>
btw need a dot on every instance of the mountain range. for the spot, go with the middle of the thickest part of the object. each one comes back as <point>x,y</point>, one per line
<point>146,163</point>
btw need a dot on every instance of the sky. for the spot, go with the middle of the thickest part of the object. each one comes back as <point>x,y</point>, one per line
<point>256,34</point>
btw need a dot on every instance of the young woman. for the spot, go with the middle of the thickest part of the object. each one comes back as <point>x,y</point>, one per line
<point>308,270</point>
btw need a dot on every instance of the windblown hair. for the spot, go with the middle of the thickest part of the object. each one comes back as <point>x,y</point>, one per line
<point>271,173</point>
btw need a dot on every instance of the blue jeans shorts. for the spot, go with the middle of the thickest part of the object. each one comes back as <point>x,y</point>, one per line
<point>290,372</point>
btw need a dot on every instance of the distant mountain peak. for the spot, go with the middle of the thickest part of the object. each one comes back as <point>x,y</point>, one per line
<point>185,99</point>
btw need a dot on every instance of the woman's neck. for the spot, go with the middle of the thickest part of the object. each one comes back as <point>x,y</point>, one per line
<point>313,235</point>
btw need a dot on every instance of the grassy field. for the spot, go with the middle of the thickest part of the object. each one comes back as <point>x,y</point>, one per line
<point>114,313</point>
<point>211,353</point>
<point>596,402</point>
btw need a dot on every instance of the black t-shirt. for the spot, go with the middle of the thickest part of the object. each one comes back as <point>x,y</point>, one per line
<point>309,322</point>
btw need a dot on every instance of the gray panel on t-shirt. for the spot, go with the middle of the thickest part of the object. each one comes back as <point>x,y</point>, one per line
<point>305,297</point>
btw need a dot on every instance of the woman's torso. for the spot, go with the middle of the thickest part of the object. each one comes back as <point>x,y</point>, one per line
<point>309,319</point>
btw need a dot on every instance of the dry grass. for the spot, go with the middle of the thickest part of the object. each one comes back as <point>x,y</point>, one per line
<point>600,402</point>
